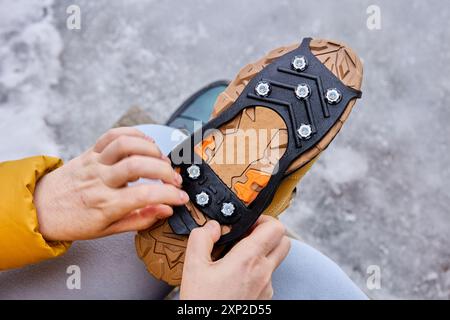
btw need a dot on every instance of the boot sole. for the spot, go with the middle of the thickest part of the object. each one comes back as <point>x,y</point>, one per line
<point>162,250</point>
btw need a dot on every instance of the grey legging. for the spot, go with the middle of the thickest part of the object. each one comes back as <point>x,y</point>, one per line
<point>111,270</point>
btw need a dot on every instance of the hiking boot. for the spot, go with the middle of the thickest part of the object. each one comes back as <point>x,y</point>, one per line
<point>267,129</point>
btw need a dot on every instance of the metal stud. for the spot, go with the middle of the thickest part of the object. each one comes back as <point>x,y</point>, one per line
<point>202,198</point>
<point>333,96</point>
<point>304,131</point>
<point>227,209</point>
<point>299,63</point>
<point>193,171</point>
<point>262,89</point>
<point>302,91</point>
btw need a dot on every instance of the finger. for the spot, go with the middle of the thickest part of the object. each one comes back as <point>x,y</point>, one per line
<point>125,146</point>
<point>132,198</point>
<point>135,167</point>
<point>267,292</point>
<point>264,237</point>
<point>277,255</point>
<point>201,242</point>
<point>113,134</point>
<point>162,210</point>
<point>141,219</point>
<point>262,219</point>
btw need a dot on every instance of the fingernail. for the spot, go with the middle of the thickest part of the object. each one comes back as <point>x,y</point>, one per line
<point>164,215</point>
<point>150,139</point>
<point>212,225</point>
<point>165,158</point>
<point>184,196</point>
<point>178,179</point>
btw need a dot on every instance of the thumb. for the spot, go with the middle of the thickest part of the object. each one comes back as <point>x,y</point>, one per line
<point>201,242</point>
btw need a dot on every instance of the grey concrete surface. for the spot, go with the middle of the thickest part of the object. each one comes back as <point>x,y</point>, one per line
<point>378,196</point>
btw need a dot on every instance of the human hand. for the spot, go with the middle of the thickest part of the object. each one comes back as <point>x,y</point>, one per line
<point>245,272</point>
<point>89,197</point>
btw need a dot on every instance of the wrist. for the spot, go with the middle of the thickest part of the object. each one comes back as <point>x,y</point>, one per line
<point>43,205</point>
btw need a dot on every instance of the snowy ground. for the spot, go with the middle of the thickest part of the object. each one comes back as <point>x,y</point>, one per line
<point>378,196</point>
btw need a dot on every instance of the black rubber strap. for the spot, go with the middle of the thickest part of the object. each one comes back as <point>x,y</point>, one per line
<point>217,191</point>
<point>314,111</point>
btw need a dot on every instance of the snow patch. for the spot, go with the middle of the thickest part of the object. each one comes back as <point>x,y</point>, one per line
<point>29,66</point>
<point>343,165</point>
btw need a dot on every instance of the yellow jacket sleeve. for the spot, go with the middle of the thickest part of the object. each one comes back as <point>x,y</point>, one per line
<point>20,240</point>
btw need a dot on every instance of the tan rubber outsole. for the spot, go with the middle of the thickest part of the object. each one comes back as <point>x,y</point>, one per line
<point>162,251</point>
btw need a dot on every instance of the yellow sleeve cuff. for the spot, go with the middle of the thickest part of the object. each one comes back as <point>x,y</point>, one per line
<point>20,240</point>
